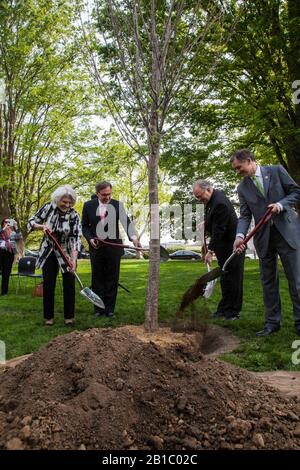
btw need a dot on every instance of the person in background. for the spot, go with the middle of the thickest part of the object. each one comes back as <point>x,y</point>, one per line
<point>63,221</point>
<point>261,188</point>
<point>9,235</point>
<point>100,220</point>
<point>220,224</point>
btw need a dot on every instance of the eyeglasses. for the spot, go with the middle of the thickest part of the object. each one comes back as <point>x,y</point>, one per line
<point>199,195</point>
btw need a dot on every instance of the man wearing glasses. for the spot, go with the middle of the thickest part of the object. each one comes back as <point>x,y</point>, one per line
<point>220,226</point>
<point>100,221</point>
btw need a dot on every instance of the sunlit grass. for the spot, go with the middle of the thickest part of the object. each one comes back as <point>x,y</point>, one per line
<point>22,328</point>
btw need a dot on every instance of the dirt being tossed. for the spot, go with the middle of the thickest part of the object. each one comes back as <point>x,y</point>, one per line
<point>111,389</point>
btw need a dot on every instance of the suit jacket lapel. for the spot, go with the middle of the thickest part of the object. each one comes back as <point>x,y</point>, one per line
<point>266,179</point>
<point>208,208</point>
<point>96,210</point>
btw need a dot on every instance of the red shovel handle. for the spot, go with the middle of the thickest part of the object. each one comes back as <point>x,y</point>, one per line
<point>59,248</point>
<point>267,216</point>
<point>99,241</point>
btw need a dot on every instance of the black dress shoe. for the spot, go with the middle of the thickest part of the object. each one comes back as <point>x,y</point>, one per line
<point>268,330</point>
<point>99,313</point>
<point>232,316</point>
<point>110,314</point>
<point>218,314</point>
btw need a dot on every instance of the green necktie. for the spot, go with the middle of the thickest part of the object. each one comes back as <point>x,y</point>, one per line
<point>258,184</point>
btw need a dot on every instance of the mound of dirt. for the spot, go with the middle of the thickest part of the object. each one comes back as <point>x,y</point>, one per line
<point>111,389</point>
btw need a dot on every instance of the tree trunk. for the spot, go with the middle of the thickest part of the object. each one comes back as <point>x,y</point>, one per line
<point>4,206</point>
<point>154,137</point>
<point>292,153</point>
<point>4,203</point>
<point>151,309</point>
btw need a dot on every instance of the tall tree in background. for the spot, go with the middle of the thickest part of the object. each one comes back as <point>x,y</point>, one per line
<point>146,51</point>
<point>255,81</point>
<point>46,92</point>
<point>255,89</point>
<point>108,157</point>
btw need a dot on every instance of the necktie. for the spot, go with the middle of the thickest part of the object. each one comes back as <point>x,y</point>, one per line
<point>103,214</point>
<point>258,184</point>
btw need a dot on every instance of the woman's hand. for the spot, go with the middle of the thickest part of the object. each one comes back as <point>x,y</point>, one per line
<point>42,227</point>
<point>73,261</point>
<point>46,229</point>
<point>72,265</point>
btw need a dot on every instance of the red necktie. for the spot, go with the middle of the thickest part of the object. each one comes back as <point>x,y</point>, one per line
<point>103,214</point>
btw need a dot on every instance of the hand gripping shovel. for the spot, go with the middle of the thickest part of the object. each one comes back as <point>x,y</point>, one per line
<point>198,288</point>
<point>85,291</point>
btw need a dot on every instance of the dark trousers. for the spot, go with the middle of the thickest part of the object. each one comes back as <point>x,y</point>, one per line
<point>290,259</point>
<point>6,262</point>
<point>105,274</point>
<point>50,272</point>
<point>231,281</point>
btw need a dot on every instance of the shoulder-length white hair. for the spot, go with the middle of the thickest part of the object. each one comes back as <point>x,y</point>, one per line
<point>63,191</point>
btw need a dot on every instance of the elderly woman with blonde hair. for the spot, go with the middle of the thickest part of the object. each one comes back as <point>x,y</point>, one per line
<point>63,221</point>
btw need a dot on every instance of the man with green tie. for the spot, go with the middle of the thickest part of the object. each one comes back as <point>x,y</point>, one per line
<point>263,187</point>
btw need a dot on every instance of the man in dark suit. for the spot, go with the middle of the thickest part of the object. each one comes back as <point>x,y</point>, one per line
<point>100,220</point>
<point>263,187</point>
<point>220,225</point>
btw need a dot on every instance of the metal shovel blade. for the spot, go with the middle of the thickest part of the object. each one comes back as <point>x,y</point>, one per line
<point>92,297</point>
<point>198,288</point>
<point>210,285</point>
<point>85,291</point>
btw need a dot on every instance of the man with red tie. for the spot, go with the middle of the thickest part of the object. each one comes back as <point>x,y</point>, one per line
<point>100,220</point>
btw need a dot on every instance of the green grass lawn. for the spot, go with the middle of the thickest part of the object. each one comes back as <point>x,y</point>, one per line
<point>23,331</point>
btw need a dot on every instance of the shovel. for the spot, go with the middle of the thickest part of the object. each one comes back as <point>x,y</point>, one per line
<point>164,255</point>
<point>209,288</point>
<point>198,288</point>
<point>210,285</point>
<point>85,291</point>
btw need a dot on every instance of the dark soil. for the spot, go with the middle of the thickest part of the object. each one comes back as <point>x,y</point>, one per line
<point>111,389</point>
